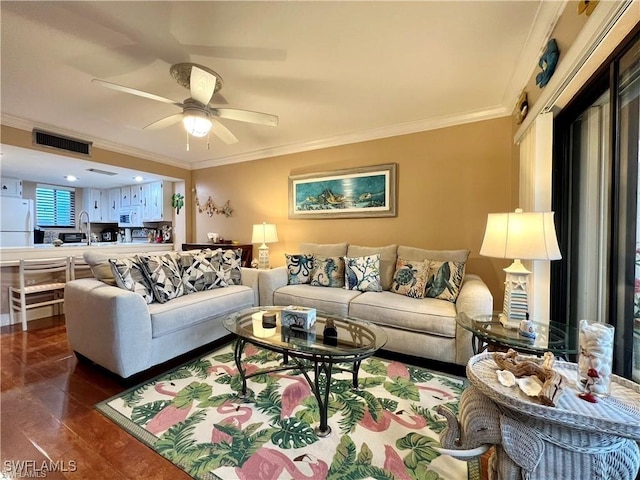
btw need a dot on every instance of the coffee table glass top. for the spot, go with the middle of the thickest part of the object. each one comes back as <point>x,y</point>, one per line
<point>557,338</point>
<point>354,336</point>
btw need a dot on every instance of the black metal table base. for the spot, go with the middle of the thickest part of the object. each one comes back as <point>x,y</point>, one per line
<point>323,366</point>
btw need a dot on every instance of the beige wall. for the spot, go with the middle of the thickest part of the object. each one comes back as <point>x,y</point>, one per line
<point>448,180</point>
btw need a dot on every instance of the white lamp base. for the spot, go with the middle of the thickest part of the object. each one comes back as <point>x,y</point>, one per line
<point>516,295</point>
<point>263,257</point>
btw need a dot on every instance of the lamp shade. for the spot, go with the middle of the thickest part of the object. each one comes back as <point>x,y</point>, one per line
<point>519,235</point>
<point>264,233</point>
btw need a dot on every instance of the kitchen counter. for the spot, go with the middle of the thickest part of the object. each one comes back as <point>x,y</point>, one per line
<point>10,256</point>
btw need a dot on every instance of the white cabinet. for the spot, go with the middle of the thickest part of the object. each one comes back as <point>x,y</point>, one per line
<point>125,196</point>
<point>156,198</point>
<point>136,195</point>
<point>113,205</point>
<point>92,203</point>
<point>11,187</point>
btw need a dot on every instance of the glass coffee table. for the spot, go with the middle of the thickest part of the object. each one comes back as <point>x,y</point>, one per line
<point>557,338</point>
<point>307,350</point>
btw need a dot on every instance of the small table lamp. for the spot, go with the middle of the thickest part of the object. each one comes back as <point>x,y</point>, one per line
<point>264,233</point>
<point>519,236</point>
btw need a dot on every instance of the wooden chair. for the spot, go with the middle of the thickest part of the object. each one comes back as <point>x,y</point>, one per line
<point>39,285</point>
<point>77,265</point>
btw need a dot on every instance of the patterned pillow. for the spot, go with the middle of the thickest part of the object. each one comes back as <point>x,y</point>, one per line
<point>327,272</point>
<point>128,275</point>
<point>201,271</point>
<point>163,274</point>
<point>410,278</point>
<point>299,268</point>
<point>362,273</point>
<point>445,279</point>
<point>231,263</point>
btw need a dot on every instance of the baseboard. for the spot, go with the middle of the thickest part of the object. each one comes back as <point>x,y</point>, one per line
<point>32,314</point>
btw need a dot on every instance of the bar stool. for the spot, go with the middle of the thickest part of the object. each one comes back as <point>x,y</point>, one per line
<point>77,264</point>
<point>38,278</point>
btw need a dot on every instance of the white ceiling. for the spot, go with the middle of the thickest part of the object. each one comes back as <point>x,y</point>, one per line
<point>334,72</point>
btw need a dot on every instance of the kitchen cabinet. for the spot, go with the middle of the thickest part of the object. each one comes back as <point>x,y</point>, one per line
<point>156,198</point>
<point>136,196</point>
<point>11,187</point>
<point>113,206</point>
<point>93,204</point>
<point>125,196</point>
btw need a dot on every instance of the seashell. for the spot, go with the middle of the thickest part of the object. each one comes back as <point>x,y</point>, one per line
<point>506,378</point>
<point>530,385</point>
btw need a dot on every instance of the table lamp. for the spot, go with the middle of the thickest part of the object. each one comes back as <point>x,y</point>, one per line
<point>519,236</point>
<point>264,233</point>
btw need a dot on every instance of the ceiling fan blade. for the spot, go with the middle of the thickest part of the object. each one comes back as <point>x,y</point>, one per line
<point>164,122</point>
<point>202,85</point>
<point>133,91</point>
<point>223,133</point>
<point>246,116</point>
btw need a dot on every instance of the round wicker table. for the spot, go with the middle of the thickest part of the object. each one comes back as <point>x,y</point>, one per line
<point>613,423</point>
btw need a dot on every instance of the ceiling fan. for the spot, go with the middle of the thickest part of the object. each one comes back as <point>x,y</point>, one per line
<point>197,111</point>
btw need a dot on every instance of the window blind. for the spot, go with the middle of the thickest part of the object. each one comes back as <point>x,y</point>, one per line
<point>55,206</point>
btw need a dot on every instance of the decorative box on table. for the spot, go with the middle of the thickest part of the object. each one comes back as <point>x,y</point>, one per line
<point>302,317</point>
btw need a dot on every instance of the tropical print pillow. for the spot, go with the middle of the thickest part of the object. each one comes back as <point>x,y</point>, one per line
<point>201,271</point>
<point>362,273</point>
<point>410,278</point>
<point>163,274</point>
<point>445,280</point>
<point>128,275</point>
<point>327,272</point>
<point>299,268</point>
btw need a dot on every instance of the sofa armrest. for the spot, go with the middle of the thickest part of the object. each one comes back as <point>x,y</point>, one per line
<point>270,281</point>
<point>474,298</point>
<point>109,325</point>
<point>250,278</point>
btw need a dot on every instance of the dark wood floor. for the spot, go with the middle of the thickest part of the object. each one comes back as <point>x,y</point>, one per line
<point>47,414</point>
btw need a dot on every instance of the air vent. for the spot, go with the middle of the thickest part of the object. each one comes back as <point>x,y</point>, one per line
<point>50,140</point>
<point>101,172</point>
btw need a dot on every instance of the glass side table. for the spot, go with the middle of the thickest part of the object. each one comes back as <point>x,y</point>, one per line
<point>557,338</point>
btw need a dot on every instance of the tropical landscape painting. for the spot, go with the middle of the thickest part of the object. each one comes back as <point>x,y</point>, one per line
<point>361,192</point>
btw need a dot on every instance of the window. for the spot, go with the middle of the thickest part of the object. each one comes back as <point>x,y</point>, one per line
<point>55,206</point>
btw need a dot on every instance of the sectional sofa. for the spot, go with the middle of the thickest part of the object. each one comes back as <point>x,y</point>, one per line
<point>424,327</point>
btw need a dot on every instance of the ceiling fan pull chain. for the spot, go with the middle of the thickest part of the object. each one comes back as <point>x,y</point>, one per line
<point>208,138</point>
<point>187,141</point>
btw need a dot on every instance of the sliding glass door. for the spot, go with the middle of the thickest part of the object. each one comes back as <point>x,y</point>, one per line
<point>596,199</point>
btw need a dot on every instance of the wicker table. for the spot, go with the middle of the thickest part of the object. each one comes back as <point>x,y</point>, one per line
<point>614,421</point>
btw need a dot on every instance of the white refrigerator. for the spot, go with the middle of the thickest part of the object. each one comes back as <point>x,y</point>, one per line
<point>16,222</point>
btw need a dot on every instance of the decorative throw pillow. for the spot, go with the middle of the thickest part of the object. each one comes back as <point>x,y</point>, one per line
<point>164,276</point>
<point>410,278</point>
<point>128,275</point>
<point>201,271</point>
<point>362,273</point>
<point>231,263</point>
<point>445,279</point>
<point>327,272</point>
<point>299,268</point>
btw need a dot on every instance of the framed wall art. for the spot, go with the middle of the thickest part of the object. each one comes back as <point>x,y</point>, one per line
<point>353,193</point>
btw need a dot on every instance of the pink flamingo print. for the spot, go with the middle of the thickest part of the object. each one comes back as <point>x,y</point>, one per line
<point>394,464</point>
<point>397,369</point>
<point>293,394</point>
<point>269,464</point>
<point>242,415</point>
<point>416,422</point>
<point>169,415</point>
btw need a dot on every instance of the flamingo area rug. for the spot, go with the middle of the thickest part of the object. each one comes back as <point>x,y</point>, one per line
<point>193,416</point>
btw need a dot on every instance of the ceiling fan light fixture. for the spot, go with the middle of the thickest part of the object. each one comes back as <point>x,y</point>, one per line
<point>196,123</point>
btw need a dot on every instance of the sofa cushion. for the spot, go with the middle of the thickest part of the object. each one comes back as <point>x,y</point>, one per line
<point>424,315</point>
<point>362,273</point>
<point>327,272</point>
<point>299,268</point>
<point>129,275</point>
<point>410,278</point>
<point>99,264</point>
<point>324,249</point>
<point>163,274</point>
<point>388,256</point>
<point>201,270</point>
<point>411,253</point>
<point>330,300</point>
<point>183,312</point>
<point>445,280</point>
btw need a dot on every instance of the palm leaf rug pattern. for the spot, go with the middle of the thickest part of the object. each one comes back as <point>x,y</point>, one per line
<point>384,430</point>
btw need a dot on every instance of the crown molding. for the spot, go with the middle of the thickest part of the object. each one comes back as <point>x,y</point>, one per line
<point>29,125</point>
<point>374,134</point>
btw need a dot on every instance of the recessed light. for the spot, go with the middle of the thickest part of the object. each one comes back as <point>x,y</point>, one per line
<point>71,178</point>
<point>138,178</point>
